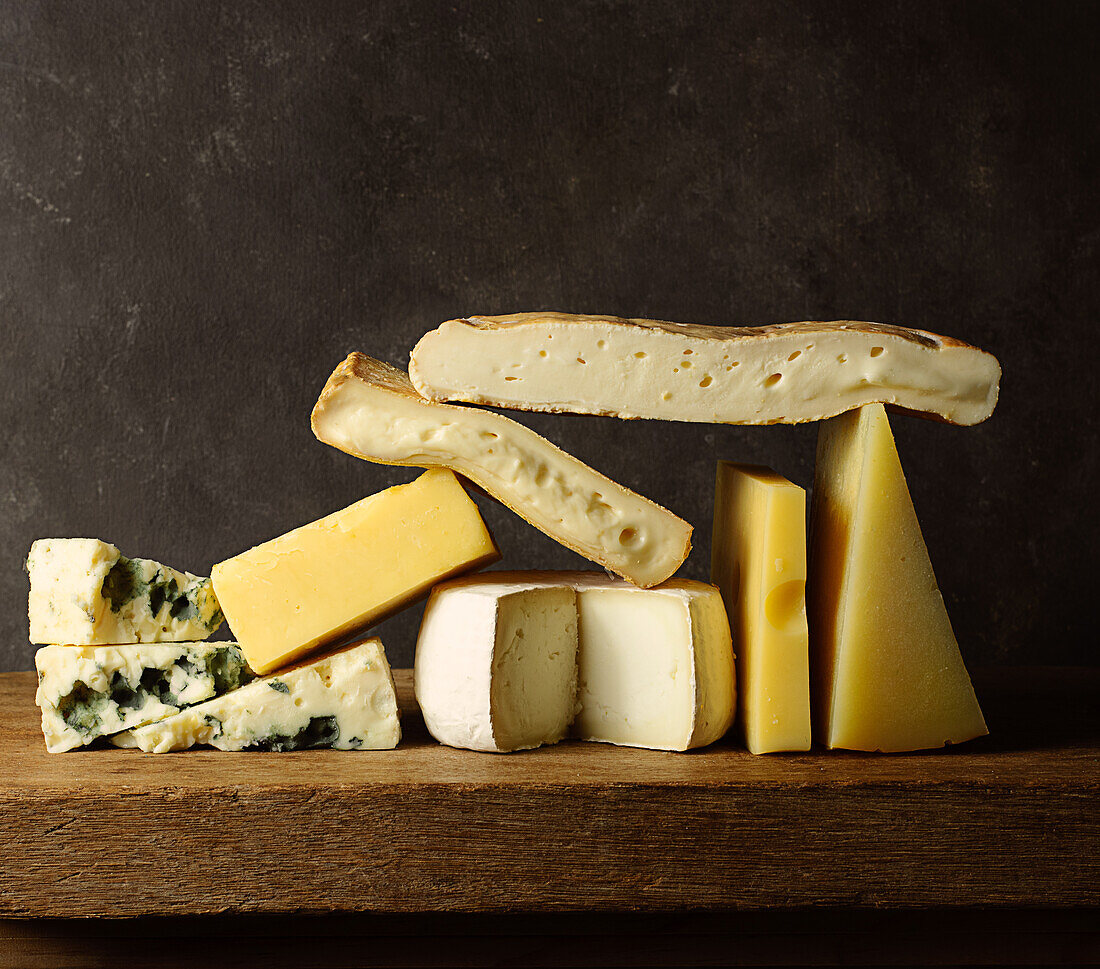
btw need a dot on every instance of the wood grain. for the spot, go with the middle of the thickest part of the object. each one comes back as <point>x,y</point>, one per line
<point>1007,821</point>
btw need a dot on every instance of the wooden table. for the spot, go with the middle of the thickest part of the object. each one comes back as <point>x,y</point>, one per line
<point>1008,822</point>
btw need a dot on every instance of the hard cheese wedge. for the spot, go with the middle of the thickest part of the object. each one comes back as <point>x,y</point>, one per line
<point>654,667</point>
<point>370,409</point>
<point>788,373</point>
<point>87,692</point>
<point>758,561</point>
<point>345,701</point>
<point>496,663</point>
<point>324,581</point>
<point>887,670</point>
<point>85,592</point>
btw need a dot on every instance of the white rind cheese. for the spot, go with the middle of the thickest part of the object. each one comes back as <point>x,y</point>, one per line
<point>86,692</point>
<point>84,592</point>
<point>654,667</point>
<point>496,664</point>
<point>788,373</point>
<point>345,701</point>
<point>369,409</point>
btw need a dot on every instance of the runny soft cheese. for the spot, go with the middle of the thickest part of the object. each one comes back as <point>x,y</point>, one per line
<point>345,701</point>
<point>496,663</point>
<point>888,674</point>
<point>370,409</point>
<point>327,580</point>
<point>85,592</point>
<point>758,562</point>
<point>87,692</point>
<point>787,373</point>
<point>653,667</point>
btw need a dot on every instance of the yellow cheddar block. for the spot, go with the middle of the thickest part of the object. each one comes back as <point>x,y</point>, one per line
<point>758,561</point>
<point>887,670</point>
<point>324,581</point>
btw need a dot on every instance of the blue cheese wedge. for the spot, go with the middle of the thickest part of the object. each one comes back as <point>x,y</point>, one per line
<point>345,701</point>
<point>86,692</point>
<point>85,592</point>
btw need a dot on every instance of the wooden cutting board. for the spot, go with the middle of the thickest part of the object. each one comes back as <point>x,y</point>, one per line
<point>1010,820</point>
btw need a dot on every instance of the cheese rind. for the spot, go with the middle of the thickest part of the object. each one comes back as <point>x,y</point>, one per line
<point>758,561</point>
<point>654,667</point>
<point>84,592</point>
<point>787,373</point>
<point>496,664</point>
<point>325,581</point>
<point>887,672</point>
<point>86,692</point>
<point>369,409</point>
<point>345,701</point>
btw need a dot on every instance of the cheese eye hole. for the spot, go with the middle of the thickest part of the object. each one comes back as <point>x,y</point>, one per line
<point>877,351</point>
<point>600,344</point>
<point>640,354</point>
<point>706,381</point>
<point>627,535</point>
<point>542,353</point>
<point>794,356</point>
<point>581,360</point>
<point>773,380</point>
<point>785,604</point>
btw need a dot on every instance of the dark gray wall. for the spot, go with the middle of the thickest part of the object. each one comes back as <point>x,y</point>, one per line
<point>204,207</point>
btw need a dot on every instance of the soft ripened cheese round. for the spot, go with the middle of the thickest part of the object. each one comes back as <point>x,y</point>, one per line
<point>496,664</point>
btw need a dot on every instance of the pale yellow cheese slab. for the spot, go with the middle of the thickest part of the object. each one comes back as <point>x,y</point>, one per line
<point>758,561</point>
<point>887,670</point>
<point>320,583</point>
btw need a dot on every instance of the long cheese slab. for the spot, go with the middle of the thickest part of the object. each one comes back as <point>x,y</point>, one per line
<point>345,701</point>
<point>369,409</point>
<point>324,581</point>
<point>887,670</point>
<point>654,667</point>
<point>788,373</point>
<point>496,663</point>
<point>86,692</point>
<point>758,561</point>
<point>85,592</point>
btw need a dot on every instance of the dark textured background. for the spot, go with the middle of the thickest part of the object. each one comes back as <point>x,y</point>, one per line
<point>204,207</point>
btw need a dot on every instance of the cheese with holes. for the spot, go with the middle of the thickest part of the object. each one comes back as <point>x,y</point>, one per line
<point>496,663</point>
<point>327,580</point>
<point>86,692</point>
<point>370,410</point>
<point>345,701</point>
<point>85,592</point>
<point>758,562</point>
<point>887,670</point>
<point>654,667</point>
<point>788,373</point>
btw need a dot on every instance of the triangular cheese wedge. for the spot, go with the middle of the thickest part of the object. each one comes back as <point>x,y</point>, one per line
<point>887,670</point>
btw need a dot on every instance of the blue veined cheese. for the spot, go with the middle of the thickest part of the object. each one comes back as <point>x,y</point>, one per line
<point>86,692</point>
<point>345,701</point>
<point>84,592</point>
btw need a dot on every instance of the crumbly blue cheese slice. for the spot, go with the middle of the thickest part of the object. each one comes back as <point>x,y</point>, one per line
<point>345,701</point>
<point>86,692</point>
<point>85,592</point>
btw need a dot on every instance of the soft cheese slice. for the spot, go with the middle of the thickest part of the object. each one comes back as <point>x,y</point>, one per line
<point>788,373</point>
<point>758,561</point>
<point>326,580</point>
<point>85,592</point>
<point>496,662</point>
<point>345,701</point>
<point>887,670</point>
<point>370,409</point>
<point>655,666</point>
<point>86,692</point>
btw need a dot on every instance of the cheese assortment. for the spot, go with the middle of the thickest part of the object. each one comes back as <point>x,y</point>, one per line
<point>326,580</point>
<point>510,661</point>
<point>85,592</point>
<point>758,561</point>
<point>344,701</point>
<point>86,692</point>
<point>889,675</point>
